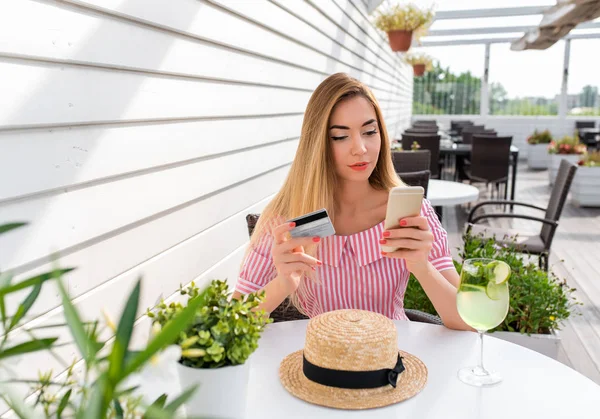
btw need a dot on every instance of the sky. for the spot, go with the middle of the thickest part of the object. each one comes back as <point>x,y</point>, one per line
<point>522,73</point>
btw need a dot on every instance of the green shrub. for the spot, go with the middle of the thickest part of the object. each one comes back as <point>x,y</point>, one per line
<point>539,301</point>
<point>223,333</point>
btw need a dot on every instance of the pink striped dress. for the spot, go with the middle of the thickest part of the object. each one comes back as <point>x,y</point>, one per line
<point>354,274</point>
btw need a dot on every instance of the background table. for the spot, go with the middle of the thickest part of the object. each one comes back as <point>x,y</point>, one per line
<point>534,385</point>
<point>445,192</point>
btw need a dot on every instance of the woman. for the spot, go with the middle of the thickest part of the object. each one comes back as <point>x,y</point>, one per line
<point>343,163</point>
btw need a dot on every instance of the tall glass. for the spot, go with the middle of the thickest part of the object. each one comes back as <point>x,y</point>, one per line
<point>482,302</point>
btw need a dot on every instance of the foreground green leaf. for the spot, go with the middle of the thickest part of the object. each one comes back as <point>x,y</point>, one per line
<point>4,228</point>
<point>123,337</point>
<point>25,306</point>
<point>166,336</point>
<point>30,282</point>
<point>26,347</point>
<point>87,347</point>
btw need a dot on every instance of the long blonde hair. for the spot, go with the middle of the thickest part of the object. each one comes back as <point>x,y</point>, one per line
<point>311,181</point>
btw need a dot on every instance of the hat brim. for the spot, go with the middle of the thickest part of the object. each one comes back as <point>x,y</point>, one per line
<point>410,382</point>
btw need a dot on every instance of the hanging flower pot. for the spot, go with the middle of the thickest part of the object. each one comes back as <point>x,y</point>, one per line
<point>419,69</point>
<point>400,40</point>
<point>403,23</point>
<point>420,63</point>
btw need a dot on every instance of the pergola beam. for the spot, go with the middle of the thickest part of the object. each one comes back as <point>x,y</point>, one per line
<point>503,29</point>
<point>426,43</point>
<point>500,12</point>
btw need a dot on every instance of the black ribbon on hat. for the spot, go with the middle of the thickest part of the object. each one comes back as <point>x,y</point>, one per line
<point>353,379</point>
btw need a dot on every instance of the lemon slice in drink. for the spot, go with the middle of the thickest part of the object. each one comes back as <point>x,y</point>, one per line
<point>500,270</point>
<point>496,291</point>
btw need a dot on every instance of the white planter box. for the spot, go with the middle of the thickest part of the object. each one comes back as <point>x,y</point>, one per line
<point>221,392</point>
<point>585,190</point>
<point>544,344</point>
<point>537,156</point>
<point>555,162</point>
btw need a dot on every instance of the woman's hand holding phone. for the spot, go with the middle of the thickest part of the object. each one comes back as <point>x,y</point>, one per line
<point>289,258</point>
<point>407,235</point>
<point>414,244</point>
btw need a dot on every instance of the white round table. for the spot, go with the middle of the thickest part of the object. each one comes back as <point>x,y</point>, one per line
<point>534,385</point>
<point>445,192</point>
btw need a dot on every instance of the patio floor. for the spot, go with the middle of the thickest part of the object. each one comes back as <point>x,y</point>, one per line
<point>575,256</point>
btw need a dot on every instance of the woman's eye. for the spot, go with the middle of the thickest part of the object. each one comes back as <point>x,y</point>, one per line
<point>339,138</point>
<point>371,132</point>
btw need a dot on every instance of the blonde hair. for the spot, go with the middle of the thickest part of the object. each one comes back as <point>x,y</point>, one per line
<point>311,181</point>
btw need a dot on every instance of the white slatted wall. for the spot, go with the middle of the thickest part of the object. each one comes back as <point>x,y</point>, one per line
<point>135,135</point>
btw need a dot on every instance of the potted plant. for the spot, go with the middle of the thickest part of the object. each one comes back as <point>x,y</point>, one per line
<point>420,63</point>
<point>585,190</point>
<point>568,148</point>
<point>537,149</point>
<point>539,301</point>
<point>215,348</point>
<point>403,23</point>
<point>105,381</point>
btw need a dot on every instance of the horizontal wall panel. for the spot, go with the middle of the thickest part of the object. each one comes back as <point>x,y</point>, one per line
<point>46,94</point>
<point>63,221</point>
<point>29,28</point>
<point>207,22</point>
<point>369,49</point>
<point>68,157</point>
<point>345,12</point>
<point>289,25</point>
<point>108,258</point>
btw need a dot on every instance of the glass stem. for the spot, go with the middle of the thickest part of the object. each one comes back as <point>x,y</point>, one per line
<point>482,370</point>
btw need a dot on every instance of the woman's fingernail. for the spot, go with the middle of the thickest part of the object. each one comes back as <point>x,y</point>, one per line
<point>316,239</point>
<point>383,241</point>
<point>313,268</point>
<point>319,263</point>
<point>384,253</point>
<point>292,224</point>
<point>386,234</point>
<point>402,222</point>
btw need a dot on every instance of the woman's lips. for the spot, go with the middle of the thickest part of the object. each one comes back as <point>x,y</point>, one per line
<point>359,167</point>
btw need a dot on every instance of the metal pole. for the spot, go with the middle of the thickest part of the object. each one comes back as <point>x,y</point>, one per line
<point>562,109</point>
<point>484,106</point>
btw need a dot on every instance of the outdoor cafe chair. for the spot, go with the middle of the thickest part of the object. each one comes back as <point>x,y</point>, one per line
<point>429,142</point>
<point>411,161</point>
<point>538,243</point>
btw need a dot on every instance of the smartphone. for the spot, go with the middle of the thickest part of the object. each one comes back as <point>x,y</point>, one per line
<point>404,201</point>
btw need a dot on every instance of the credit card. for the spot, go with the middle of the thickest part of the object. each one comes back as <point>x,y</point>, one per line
<point>314,224</point>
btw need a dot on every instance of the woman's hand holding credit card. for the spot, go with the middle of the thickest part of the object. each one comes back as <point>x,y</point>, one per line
<point>289,240</point>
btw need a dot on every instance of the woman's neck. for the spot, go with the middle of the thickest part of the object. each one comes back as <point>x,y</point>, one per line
<point>353,197</point>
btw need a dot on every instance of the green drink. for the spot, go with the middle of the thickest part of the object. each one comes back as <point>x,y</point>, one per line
<point>482,301</point>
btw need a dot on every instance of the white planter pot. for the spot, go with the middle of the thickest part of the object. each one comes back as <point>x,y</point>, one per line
<point>537,156</point>
<point>544,344</point>
<point>585,190</point>
<point>221,392</point>
<point>555,162</point>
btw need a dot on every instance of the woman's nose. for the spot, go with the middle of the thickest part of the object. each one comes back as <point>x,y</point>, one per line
<point>358,146</point>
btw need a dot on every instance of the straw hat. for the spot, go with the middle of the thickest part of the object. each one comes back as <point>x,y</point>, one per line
<point>353,362</point>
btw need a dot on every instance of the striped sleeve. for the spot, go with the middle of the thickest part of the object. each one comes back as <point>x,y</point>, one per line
<point>439,256</point>
<point>258,268</point>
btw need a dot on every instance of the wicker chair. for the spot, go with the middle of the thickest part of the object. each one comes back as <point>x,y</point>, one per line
<point>413,161</point>
<point>287,312</point>
<point>419,178</point>
<point>468,131</point>
<point>429,142</point>
<point>533,243</point>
